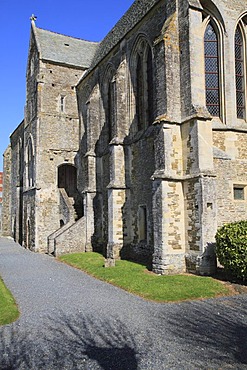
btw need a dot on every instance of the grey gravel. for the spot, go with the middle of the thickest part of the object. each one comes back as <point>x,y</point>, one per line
<point>70,320</point>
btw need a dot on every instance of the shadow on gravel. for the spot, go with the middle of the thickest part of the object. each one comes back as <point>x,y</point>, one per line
<point>69,342</point>
<point>215,330</point>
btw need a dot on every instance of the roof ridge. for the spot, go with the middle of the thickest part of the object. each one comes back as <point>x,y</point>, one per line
<point>72,37</point>
<point>53,46</point>
<point>134,14</point>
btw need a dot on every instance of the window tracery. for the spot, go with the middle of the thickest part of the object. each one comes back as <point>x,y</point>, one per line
<point>212,65</point>
<point>111,107</point>
<point>110,101</point>
<point>30,164</point>
<point>144,87</point>
<point>240,71</point>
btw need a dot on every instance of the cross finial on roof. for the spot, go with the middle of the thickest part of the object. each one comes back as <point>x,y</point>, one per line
<point>33,18</point>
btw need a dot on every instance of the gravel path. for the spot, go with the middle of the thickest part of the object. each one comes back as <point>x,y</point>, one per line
<point>72,321</point>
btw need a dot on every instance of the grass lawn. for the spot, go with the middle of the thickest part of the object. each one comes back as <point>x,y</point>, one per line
<point>135,278</point>
<point>8,309</point>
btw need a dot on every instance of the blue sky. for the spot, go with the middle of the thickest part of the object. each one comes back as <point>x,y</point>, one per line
<point>89,20</point>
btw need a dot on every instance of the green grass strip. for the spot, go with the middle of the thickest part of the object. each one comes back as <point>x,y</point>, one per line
<point>135,278</point>
<point>8,308</point>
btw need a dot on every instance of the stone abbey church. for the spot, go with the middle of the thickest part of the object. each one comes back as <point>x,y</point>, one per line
<point>135,146</point>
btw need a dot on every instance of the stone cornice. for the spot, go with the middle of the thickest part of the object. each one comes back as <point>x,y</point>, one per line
<point>163,175</point>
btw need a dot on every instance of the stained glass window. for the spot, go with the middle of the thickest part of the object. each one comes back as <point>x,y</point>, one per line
<point>239,73</point>
<point>211,54</point>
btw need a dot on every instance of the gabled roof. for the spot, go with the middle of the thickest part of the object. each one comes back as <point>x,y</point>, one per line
<point>64,49</point>
<point>68,50</point>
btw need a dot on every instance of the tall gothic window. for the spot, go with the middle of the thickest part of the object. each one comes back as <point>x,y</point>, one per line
<point>150,105</point>
<point>30,164</point>
<point>144,86</point>
<point>239,74</point>
<point>111,108</point>
<point>211,55</point>
<point>20,163</point>
<point>88,124</point>
<point>139,92</point>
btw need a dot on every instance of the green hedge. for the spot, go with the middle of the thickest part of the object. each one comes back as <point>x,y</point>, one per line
<point>231,248</point>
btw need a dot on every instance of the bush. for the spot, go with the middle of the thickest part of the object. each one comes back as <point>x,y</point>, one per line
<point>231,248</point>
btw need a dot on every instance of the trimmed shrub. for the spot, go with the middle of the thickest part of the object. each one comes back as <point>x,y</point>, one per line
<point>231,248</point>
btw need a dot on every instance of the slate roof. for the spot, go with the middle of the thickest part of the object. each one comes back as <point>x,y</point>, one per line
<point>133,15</point>
<point>86,54</point>
<point>64,49</point>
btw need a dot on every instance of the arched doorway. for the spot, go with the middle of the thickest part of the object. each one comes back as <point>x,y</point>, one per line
<point>67,178</point>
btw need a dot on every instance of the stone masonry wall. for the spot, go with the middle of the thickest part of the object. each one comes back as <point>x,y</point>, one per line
<point>56,141</point>
<point>30,220</point>
<point>137,165</point>
<point>155,186</point>
<point>6,210</point>
<point>231,168</point>
<point>17,171</point>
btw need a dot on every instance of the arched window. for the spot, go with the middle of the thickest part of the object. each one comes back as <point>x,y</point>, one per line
<point>139,92</point>
<point>109,93</point>
<point>30,164</point>
<point>144,85</point>
<point>240,74</point>
<point>92,121</point>
<point>20,163</point>
<point>88,124</point>
<point>150,105</point>
<point>212,78</point>
<point>111,107</point>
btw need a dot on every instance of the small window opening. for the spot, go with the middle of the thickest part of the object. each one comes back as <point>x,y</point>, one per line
<point>238,192</point>
<point>142,223</point>
<point>62,103</point>
<point>32,66</point>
